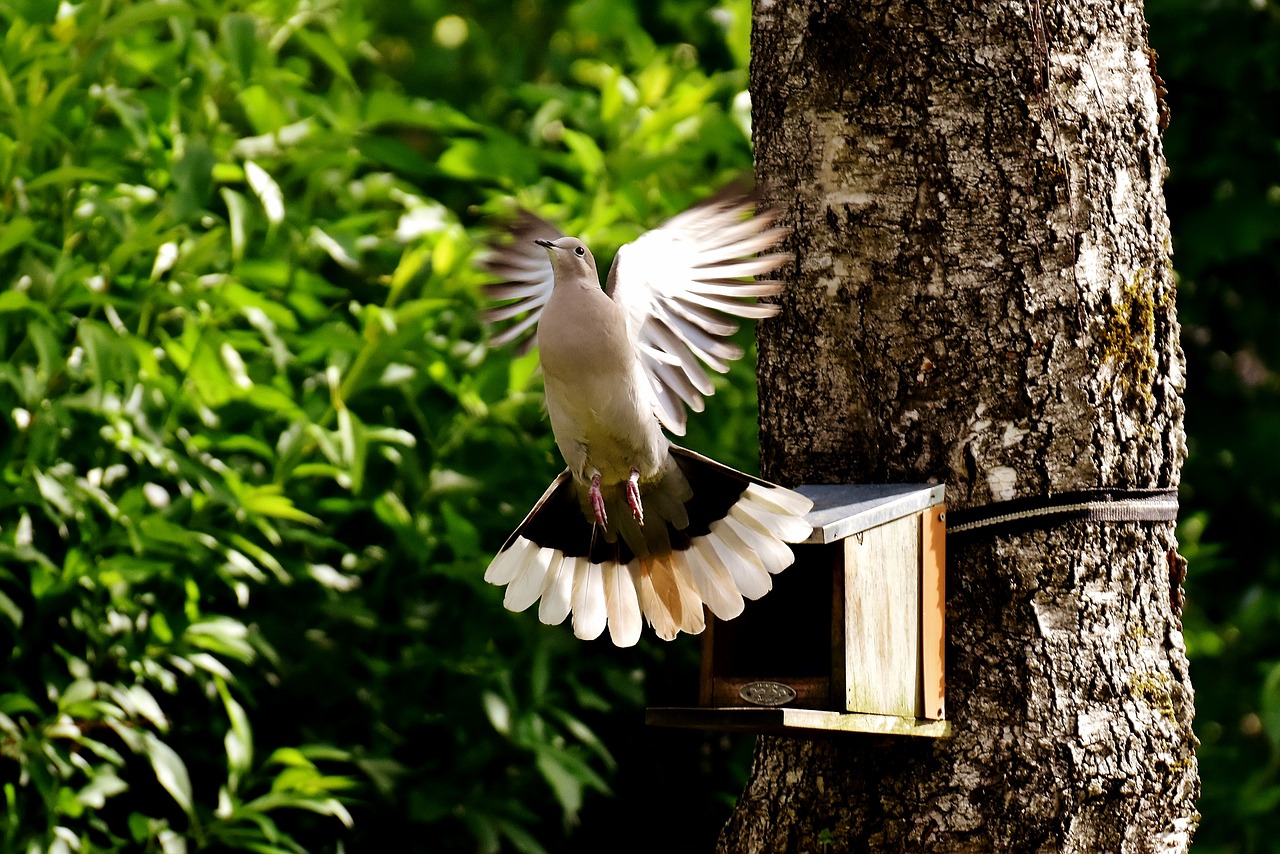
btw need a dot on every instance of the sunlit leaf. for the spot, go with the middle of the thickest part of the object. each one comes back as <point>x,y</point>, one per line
<point>104,785</point>
<point>10,610</point>
<point>269,500</point>
<point>170,770</point>
<point>267,191</point>
<point>237,212</point>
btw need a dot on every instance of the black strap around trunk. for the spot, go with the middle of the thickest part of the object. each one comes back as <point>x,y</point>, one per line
<point>1089,505</point>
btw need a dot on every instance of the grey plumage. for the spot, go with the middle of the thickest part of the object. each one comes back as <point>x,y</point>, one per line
<point>635,525</point>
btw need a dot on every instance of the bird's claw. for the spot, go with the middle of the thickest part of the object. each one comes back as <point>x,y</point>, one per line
<point>633,496</point>
<point>597,501</point>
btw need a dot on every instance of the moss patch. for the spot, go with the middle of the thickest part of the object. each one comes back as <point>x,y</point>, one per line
<point>1153,689</point>
<point>1129,333</point>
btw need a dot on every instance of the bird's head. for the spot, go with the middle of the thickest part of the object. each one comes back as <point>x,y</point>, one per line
<point>570,257</point>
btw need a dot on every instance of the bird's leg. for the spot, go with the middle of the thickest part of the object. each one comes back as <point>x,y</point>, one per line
<point>633,496</point>
<point>597,500</point>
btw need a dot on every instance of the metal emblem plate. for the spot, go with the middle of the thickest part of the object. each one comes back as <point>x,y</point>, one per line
<point>767,693</point>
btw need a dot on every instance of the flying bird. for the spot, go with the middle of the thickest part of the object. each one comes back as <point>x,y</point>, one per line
<point>637,527</point>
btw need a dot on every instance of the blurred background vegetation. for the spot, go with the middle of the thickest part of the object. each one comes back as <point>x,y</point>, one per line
<point>255,452</point>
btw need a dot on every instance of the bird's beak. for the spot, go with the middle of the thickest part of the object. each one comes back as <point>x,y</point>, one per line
<point>546,244</point>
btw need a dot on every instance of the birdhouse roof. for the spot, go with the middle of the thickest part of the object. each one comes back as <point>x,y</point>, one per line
<point>842,510</point>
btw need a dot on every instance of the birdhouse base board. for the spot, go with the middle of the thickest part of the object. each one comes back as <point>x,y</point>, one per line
<point>793,721</point>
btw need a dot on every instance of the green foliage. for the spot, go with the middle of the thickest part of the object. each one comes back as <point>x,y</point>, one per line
<point>1223,146</point>
<point>255,453</point>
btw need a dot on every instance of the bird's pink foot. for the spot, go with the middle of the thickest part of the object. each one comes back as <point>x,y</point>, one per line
<point>597,500</point>
<point>633,496</point>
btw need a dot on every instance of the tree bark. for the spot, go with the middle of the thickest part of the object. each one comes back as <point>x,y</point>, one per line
<point>982,296</point>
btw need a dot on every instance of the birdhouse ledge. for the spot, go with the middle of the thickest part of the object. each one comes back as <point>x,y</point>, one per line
<point>851,638</point>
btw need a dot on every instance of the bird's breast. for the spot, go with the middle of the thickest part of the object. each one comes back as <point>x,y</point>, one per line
<point>584,340</point>
<point>601,416</point>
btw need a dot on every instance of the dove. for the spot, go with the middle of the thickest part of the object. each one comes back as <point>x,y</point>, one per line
<point>637,529</point>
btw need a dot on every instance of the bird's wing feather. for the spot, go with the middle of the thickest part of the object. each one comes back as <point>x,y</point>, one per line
<point>681,286</point>
<point>526,279</point>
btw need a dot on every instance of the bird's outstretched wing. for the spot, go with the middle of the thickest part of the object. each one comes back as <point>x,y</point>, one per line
<point>526,279</point>
<point>682,284</point>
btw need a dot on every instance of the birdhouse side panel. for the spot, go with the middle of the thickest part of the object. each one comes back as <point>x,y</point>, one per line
<point>933,604</point>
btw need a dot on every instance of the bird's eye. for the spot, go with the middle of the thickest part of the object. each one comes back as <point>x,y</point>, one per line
<point>579,251</point>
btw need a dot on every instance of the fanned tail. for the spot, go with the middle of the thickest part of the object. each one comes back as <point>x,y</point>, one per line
<point>712,536</point>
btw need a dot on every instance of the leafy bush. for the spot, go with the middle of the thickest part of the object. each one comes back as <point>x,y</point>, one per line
<point>256,454</point>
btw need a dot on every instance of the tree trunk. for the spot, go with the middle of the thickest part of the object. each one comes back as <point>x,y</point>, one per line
<point>983,297</point>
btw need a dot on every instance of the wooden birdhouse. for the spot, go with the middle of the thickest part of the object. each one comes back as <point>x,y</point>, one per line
<point>850,638</point>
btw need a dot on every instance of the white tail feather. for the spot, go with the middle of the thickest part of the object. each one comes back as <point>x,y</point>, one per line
<point>654,608</point>
<point>773,553</point>
<point>503,568</point>
<point>692,618</point>
<point>557,592</point>
<point>787,501</point>
<point>715,585</point>
<point>622,604</point>
<point>742,549</point>
<point>589,611</point>
<point>526,587</point>
<point>785,526</point>
<point>749,575</point>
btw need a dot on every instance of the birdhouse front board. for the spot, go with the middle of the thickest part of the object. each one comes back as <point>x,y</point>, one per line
<point>851,637</point>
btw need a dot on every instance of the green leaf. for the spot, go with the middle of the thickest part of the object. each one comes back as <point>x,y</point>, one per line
<point>355,446</point>
<point>192,178</point>
<point>145,704</point>
<point>498,712</point>
<point>238,741</point>
<point>382,107</point>
<point>39,11</point>
<point>499,158</point>
<point>324,806</point>
<point>586,153</point>
<point>223,635</point>
<point>393,153</point>
<point>10,610</point>
<point>237,215</point>
<point>16,232</point>
<point>11,301</point>
<point>241,36</point>
<point>327,52</point>
<point>565,781</point>
<point>104,785</point>
<point>269,500</point>
<point>198,355</point>
<point>267,191</point>
<point>68,175</point>
<point>106,353</point>
<point>132,16</point>
<point>53,491</point>
<point>170,770</point>
<point>460,532</point>
<point>519,838</point>
<point>17,704</point>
